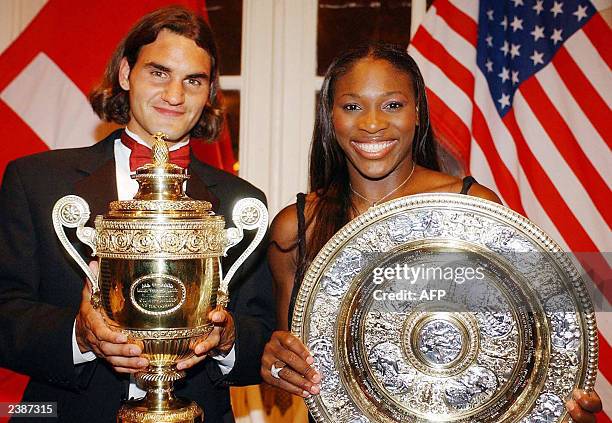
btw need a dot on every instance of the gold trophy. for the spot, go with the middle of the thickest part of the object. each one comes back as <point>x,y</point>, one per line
<point>159,274</point>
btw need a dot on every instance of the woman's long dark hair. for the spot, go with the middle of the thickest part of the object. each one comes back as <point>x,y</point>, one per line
<point>329,176</point>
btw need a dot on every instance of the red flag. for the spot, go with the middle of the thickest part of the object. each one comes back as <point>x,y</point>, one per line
<point>47,72</point>
<point>45,76</point>
<point>521,92</point>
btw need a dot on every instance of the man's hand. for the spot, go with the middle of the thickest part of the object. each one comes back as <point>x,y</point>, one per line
<point>297,376</point>
<point>583,406</point>
<point>93,334</point>
<point>219,341</point>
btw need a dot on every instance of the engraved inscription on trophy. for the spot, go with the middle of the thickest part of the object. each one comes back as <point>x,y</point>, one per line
<point>158,294</point>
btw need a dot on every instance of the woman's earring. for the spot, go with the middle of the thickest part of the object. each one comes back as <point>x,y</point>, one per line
<point>417,116</point>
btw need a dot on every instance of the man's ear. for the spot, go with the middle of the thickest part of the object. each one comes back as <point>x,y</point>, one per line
<point>124,74</point>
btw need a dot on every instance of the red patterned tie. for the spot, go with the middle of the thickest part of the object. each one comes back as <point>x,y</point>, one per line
<point>141,154</point>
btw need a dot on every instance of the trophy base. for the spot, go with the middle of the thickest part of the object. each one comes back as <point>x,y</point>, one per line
<point>177,411</point>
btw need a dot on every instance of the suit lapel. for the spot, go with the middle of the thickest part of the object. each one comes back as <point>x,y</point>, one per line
<point>99,188</point>
<point>197,188</point>
<point>99,185</point>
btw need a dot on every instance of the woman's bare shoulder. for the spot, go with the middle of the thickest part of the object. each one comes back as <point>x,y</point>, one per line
<point>284,227</point>
<point>283,230</point>
<point>434,181</point>
<point>481,191</point>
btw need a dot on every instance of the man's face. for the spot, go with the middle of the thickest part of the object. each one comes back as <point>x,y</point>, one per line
<point>168,86</point>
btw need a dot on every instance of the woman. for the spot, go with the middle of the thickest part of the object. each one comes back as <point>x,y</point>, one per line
<point>372,143</point>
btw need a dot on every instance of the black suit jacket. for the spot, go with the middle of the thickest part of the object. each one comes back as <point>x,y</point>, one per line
<point>40,286</point>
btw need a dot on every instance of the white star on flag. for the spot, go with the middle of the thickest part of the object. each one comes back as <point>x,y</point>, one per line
<point>580,13</point>
<point>490,14</point>
<point>504,100</point>
<point>489,40</point>
<point>514,50</point>
<point>538,32</point>
<point>557,8</point>
<point>556,36</point>
<point>489,65</point>
<point>505,74</point>
<point>504,23</point>
<point>516,24</point>
<point>537,57</point>
<point>505,48</point>
<point>518,3</point>
<point>515,77</point>
<point>538,7</point>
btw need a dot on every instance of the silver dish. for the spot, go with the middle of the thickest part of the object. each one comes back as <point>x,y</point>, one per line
<point>401,331</point>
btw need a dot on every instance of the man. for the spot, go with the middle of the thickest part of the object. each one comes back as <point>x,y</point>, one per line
<point>162,77</point>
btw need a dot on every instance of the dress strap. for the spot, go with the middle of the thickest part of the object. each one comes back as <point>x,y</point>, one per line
<point>468,181</point>
<point>301,243</point>
<point>301,205</point>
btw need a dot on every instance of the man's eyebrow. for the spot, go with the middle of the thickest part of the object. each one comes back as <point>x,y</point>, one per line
<point>160,67</point>
<point>201,75</point>
<point>157,66</point>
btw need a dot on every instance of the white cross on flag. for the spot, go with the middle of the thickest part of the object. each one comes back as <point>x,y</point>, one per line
<point>520,92</point>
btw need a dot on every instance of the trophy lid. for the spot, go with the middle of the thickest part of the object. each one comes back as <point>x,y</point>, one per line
<point>160,191</point>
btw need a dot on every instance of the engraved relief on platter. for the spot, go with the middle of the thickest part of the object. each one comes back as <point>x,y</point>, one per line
<point>492,370</point>
<point>405,376</point>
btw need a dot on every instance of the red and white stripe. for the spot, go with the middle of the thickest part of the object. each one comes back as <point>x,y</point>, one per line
<point>548,158</point>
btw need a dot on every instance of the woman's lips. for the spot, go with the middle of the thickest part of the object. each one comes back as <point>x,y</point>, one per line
<point>373,149</point>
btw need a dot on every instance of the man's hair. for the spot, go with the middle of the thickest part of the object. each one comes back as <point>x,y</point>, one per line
<point>111,102</point>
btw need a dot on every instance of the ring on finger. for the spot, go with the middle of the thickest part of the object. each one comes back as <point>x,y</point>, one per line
<point>275,370</point>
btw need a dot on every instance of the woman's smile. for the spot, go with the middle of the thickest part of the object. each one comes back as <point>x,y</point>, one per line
<point>373,150</point>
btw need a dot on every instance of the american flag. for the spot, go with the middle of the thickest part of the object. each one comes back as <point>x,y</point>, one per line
<point>520,92</point>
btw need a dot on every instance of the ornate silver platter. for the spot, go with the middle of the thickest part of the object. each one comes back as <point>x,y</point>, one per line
<point>445,308</point>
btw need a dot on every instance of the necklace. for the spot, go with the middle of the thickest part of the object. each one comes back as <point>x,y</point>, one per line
<point>380,200</point>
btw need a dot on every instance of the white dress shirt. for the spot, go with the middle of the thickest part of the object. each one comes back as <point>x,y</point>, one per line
<point>126,189</point>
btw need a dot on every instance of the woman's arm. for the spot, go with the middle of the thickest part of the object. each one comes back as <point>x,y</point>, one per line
<point>282,256</point>
<point>285,351</point>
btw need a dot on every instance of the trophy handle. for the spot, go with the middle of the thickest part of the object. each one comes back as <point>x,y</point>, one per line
<point>73,212</point>
<point>249,214</point>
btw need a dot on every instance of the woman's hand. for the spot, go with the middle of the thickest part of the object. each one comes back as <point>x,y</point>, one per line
<point>286,352</point>
<point>583,406</point>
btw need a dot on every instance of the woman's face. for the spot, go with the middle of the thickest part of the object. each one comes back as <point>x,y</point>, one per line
<point>374,117</point>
